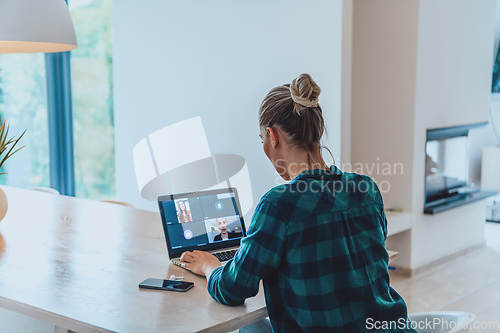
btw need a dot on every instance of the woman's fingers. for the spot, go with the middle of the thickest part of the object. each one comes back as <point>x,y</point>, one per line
<point>187,257</point>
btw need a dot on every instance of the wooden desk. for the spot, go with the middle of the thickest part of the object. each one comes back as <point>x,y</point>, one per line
<point>77,263</point>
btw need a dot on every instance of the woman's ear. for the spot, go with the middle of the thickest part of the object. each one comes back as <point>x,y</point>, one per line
<point>273,135</point>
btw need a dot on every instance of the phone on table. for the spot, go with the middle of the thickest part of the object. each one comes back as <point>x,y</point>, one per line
<point>170,285</point>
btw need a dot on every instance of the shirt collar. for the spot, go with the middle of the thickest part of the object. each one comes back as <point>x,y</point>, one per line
<point>319,173</point>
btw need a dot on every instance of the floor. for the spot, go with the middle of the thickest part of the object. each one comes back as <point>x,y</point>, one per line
<point>468,283</point>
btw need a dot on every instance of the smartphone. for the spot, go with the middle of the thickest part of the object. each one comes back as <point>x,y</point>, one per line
<point>170,285</point>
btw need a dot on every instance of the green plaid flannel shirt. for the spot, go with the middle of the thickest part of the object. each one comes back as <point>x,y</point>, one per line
<point>318,244</point>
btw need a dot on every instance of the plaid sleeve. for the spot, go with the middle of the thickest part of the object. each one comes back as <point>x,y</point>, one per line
<point>384,222</point>
<point>379,200</point>
<point>259,254</point>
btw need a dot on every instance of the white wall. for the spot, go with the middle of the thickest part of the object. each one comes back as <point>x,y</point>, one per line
<point>383,91</point>
<point>455,43</point>
<point>453,77</point>
<point>346,97</point>
<point>178,59</point>
<point>497,26</point>
<point>486,136</point>
<point>420,64</point>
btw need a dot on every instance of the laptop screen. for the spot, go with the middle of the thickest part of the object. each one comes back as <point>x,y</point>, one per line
<point>204,220</point>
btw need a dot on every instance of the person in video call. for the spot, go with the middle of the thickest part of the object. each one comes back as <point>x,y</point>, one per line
<point>183,214</point>
<point>224,234</point>
<point>317,242</point>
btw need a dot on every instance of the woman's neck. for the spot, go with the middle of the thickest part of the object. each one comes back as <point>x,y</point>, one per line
<point>302,161</point>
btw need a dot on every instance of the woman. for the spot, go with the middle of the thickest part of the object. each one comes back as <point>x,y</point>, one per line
<point>317,242</point>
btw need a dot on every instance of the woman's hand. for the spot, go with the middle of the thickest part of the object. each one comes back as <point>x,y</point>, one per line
<point>200,262</point>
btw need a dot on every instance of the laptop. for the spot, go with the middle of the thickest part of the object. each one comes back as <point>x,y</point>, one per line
<point>206,221</point>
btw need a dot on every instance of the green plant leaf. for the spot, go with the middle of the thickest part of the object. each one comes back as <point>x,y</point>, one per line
<point>8,146</point>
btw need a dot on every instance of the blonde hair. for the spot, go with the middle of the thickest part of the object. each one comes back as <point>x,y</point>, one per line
<point>295,109</point>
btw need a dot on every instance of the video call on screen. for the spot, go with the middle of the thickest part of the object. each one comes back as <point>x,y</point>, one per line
<point>202,220</point>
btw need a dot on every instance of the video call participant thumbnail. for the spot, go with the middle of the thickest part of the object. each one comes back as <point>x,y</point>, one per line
<point>183,211</point>
<point>224,234</point>
<point>224,228</point>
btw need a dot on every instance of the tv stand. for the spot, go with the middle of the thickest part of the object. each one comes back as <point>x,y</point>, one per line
<point>456,201</point>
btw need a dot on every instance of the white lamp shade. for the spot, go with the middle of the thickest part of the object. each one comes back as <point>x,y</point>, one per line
<point>35,26</point>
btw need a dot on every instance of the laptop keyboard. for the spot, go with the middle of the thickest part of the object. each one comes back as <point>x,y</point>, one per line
<point>225,256</point>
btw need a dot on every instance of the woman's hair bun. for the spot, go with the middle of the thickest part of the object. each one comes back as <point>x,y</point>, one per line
<point>305,92</point>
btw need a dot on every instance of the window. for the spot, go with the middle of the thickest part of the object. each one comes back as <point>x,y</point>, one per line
<point>92,91</point>
<point>23,103</point>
